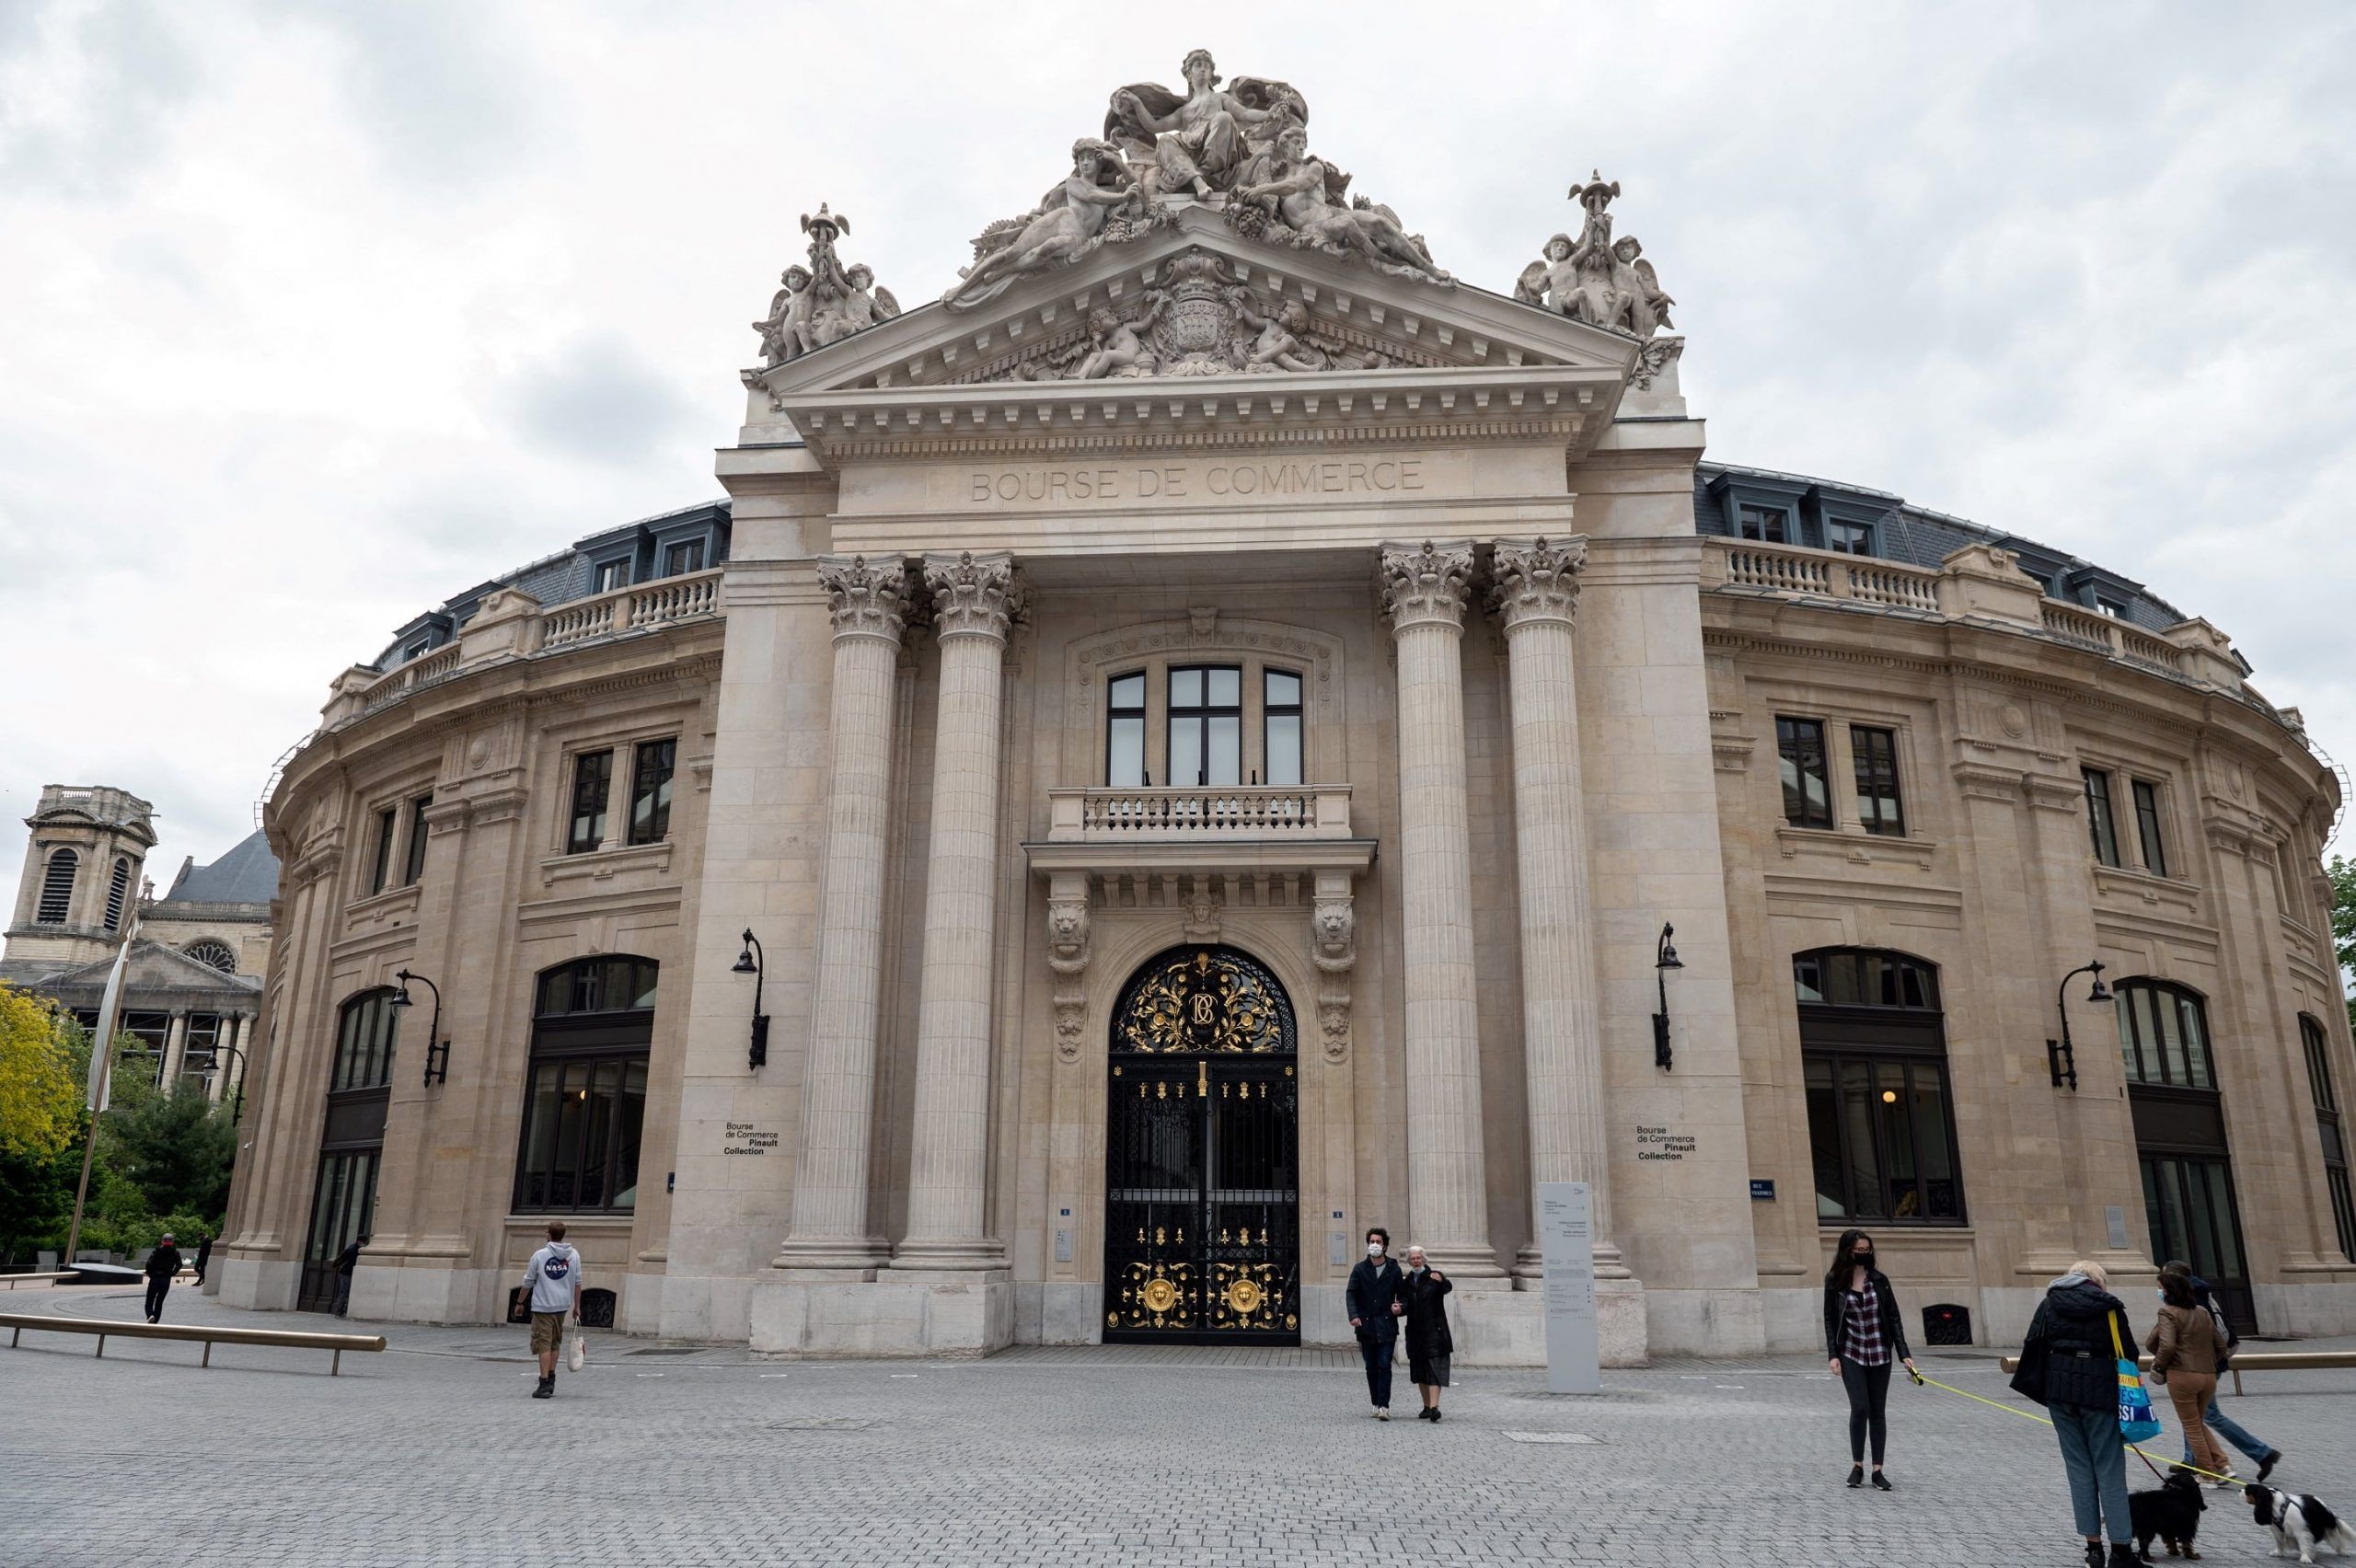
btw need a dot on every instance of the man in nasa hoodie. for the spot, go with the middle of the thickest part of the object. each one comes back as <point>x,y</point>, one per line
<point>553,1276</point>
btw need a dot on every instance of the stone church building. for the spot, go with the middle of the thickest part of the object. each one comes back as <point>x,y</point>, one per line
<point>1218,733</point>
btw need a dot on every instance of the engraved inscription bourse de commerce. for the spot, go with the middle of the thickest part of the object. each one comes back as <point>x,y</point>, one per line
<point>1215,731</point>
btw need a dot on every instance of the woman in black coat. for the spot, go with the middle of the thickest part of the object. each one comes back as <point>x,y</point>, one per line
<point>1863,1335</point>
<point>1430,1345</point>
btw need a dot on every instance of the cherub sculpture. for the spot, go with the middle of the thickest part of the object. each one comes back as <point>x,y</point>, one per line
<point>1642,305</point>
<point>821,302</point>
<point>1194,142</point>
<point>1280,345</point>
<point>861,304</point>
<point>1063,227</point>
<point>785,333</point>
<point>1119,350</point>
<point>1596,279</point>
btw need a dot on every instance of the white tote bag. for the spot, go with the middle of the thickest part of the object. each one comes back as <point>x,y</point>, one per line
<point>578,1354</point>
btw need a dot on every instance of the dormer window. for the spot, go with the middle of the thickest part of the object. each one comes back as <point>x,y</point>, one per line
<point>1766,525</point>
<point>684,557</point>
<point>1848,538</point>
<point>611,576</point>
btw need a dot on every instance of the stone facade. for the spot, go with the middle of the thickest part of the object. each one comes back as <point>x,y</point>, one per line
<point>1538,726</point>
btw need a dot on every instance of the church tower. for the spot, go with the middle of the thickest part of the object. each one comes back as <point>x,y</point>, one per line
<point>81,876</point>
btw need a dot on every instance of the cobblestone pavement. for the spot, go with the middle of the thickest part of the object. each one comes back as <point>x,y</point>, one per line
<point>667,1454</point>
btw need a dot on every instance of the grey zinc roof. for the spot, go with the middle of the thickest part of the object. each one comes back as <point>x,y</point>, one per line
<point>247,874</point>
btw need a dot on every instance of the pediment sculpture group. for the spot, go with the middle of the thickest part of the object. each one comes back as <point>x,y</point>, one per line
<point>1240,150</point>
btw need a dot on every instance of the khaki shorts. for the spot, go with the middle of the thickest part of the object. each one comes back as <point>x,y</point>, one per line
<point>547,1332</point>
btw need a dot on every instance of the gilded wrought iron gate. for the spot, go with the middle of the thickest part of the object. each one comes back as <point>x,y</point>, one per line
<point>1201,1238</point>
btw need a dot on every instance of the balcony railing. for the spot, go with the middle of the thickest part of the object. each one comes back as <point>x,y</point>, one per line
<point>1980,583</point>
<point>1106,816</point>
<point>510,625</point>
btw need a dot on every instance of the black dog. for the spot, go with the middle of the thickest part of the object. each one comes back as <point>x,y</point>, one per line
<point>2172,1514</point>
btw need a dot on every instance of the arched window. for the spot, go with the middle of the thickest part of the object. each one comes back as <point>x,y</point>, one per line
<point>1873,1048</point>
<point>363,1042</point>
<point>2317,1042</point>
<point>584,1099</point>
<point>57,887</point>
<point>2164,1034</point>
<point>116,891</point>
<point>213,955</point>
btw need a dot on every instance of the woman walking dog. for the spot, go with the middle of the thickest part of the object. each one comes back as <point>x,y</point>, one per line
<point>1862,1334</point>
<point>2069,1364</point>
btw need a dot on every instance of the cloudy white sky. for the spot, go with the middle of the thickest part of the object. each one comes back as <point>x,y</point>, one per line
<point>318,313</point>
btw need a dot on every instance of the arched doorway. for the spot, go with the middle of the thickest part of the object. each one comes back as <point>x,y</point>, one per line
<point>1202,1191</point>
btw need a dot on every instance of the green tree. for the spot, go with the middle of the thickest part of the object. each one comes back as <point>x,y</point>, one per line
<point>39,1101</point>
<point>2342,872</point>
<point>174,1149</point>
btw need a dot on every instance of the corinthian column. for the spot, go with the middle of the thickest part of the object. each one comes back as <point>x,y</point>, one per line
<point>1423,592</point>
<point>1536,597</point>
<point>830,1230</point>
<point>975,599</point>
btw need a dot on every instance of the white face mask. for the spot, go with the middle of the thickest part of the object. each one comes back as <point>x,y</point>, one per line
<point>1374,1249</point>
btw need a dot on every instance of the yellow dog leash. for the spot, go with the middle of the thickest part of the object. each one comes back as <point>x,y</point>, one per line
<point>2043,1421</point>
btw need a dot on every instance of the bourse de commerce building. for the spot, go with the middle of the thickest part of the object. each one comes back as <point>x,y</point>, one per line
<point>1219,734</point>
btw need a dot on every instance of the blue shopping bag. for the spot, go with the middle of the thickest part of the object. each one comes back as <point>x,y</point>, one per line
<point>2136,1423</point>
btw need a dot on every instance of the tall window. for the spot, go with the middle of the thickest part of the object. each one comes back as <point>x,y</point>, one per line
<point>649,791</point>
<point>363,1042</point>
<point>1807,780</point>
<point>2147,827</point>
<point>1848,538</point>
<point>2099,822</point>
<point>2164,1034</point>
<point>1205,726</point>
<point>685,556</point>
<point>1765,523</point>
<point>57,887</point>
<point>1280,695</point>
<point>389,827</point>
<point>1124,731</point>
<point>1873,1047</point>
<point>2335,1148</point>
<point>1875,756</point>
<point>584,1099</point>
<point>592,781</point>
<point>118,892</point>
<point>415,867</point>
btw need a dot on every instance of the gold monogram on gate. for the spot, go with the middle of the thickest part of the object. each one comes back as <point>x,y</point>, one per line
<point>1209,1001</point>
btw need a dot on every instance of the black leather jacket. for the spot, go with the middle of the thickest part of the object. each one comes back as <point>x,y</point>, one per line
<point>1836,1315</point>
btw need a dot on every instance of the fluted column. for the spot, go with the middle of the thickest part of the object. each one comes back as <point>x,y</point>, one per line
<point>1423,590</point>
<point>975,599</point>
<point>830,1230</point>
<point>1536,596</point>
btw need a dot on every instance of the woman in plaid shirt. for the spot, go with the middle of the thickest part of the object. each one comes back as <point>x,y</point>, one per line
<point>1862,1334</point>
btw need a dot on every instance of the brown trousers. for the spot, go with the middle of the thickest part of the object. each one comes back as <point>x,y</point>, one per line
<point>2190,1392</point>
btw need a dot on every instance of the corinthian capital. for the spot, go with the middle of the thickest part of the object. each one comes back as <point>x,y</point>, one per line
<point>1537,580</point>
<point>972,596</point>
<point>1425,584</point>
<point>868,598</point>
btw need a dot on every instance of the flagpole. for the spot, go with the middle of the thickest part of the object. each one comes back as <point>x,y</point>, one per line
<point>101,1076</point>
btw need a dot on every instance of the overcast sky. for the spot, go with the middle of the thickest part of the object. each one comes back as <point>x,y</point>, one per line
<point>312,315</point>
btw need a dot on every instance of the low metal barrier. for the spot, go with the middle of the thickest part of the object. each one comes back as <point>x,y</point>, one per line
<point>14,1279</point>
<point>105,1328</point>
<point>2253,1361</point>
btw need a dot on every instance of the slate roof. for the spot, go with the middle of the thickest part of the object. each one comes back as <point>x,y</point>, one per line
<point>247,874</point>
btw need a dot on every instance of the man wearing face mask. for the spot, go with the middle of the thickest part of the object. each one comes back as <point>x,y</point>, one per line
<point>1375,1305</point>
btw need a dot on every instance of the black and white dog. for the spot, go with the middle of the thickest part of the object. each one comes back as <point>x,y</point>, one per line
<point>2171,1514</point>
<point>2298,1521</point>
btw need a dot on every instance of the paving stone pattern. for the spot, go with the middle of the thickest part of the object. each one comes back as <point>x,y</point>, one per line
<point>432,1453</point>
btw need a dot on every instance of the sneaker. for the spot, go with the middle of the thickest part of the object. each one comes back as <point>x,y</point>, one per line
<point>1435,1413</point>
<point>1382,1413</point>
<point>2266,1466</point>
<point>1856,1475</point>
<point>2122,1556</point>
<point>1881,1483</point>
<point>546,1390</point>
<point>2227,1484</point>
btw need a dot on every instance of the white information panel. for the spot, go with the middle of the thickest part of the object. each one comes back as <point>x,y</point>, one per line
<point>1566,1237</point>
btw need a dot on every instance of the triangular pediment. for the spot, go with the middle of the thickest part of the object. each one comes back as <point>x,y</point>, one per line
<point>153,966</point>
<point>1387,358</point>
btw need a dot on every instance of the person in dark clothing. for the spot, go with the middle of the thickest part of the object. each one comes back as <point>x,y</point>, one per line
<point>1375,1309</point>
<point>162,1264</point>
<point>2069,1364</point>
<point>1863,1335</point>
<point>203,1255</point>
<point>1424,1293</point>
<point>346,1261</point>
<point>2265,1455</point>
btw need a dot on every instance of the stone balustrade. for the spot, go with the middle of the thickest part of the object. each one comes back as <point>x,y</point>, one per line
<point>1979,583</point>
<point>1106,816</point>
<point>510,624</point>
